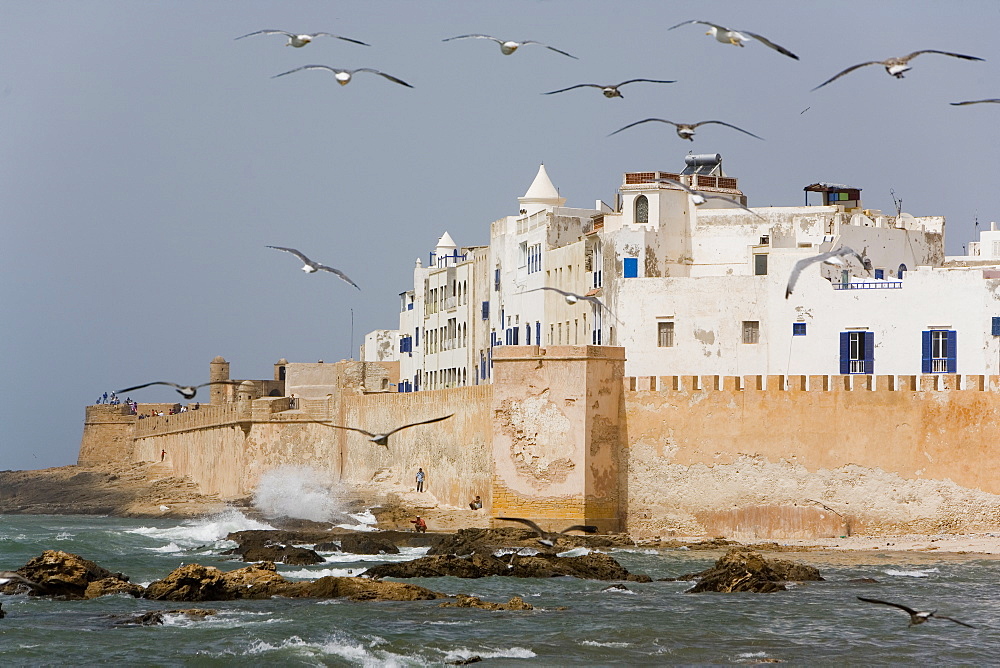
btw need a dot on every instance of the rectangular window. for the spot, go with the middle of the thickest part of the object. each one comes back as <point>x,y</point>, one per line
<point>486,310</point>
<point>879,274</point>
<point>857,353</point>
<point>416,336</point>
<point>996,326</point>
<point>798,329</point>
<point>496,280</point>
<point>751,331</point>
<point>630,267</point>
<point>534,258</point>
<point>665,334</point>
<point>760,264</point>
<point>938,348</point>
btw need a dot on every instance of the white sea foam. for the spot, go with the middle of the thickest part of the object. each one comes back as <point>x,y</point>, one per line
<point>65,535</point>
<point>916,573</point>
<point>405,554</point>
<point>490,653</point>
<point>594,643</point>
<point>575,552</point>
<point>297,491</point>
<point>221,620</point>
<point>353,651</point>
<point>195,533</point>
<point>306,574</point>
<point>521,552</point>
<point>169,547</point>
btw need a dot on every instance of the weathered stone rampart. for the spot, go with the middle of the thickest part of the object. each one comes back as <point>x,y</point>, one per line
<point>562,436</point>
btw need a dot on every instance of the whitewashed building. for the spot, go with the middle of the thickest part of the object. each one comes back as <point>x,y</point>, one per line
<point>701,289</point>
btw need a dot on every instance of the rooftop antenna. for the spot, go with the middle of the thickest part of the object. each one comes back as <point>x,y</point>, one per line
<point>898,201</point>
<point>977,220</point>
<point>352,334</point>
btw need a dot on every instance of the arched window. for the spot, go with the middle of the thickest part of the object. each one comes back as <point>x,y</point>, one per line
<point>641,210</point>
<point>902,270</point>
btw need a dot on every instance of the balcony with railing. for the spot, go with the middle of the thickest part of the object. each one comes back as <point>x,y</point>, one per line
<point>869,285</point>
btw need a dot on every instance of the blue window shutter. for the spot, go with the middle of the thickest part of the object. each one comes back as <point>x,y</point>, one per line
<point>845,353</point>
<point>630,267</point>
<point>416,336</point>
<point>952,351</point>
<point>538,333</point>
<point>996,326</point>
<point>869,353</point>
<point>486,310</point>
<point>527,334</point>
<point>516,332</point>
<point>925,352</point>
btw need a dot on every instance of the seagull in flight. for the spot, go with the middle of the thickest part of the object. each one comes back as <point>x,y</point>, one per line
<point>962,104</point>
<point>835,256</point>
<point>699,197</point>
<point>685,130</point>
<point>311,267</point>
<point>549,537</point>
<point>609,90</point>
<point>509,46</point>
<point>344,76</point>
<point>573,298</point>
<point>895,66</point>
<point>916,616</point>
<point>6,577</point>
<point>186,391</point>
<point>383,438</point>
<point>298,41</point>
<point>736,37</point>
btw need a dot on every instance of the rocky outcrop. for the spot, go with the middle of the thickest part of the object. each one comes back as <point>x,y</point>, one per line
<point>745,570</point>
<point>593,566</point>
<point>66,575</point>
<point>467,541</point>
<point>463,601</point>
<point>194,582</point>
<point>367,543</point>
<point>110,586</point>
<point>154,617</point>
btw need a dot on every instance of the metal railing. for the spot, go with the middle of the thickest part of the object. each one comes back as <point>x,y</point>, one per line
<point>873,285</point>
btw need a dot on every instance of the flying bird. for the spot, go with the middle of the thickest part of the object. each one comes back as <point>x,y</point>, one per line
<point>186,391</point>
<point>916,616</point>
<point>685,130</point>
<point>835,256</point>
<point>298,41</point>
<point>6,577</point>
<point>383,438</point>
<point>549,537</point>
<point>699,197</point>
<point>311,267</point>
<point>962,104</point>
<point>736,37</point>
<point>573,298</point>
<point>895,66</point>
<point>609,91</point>
<point>509,46</point>
<point>344,76</point>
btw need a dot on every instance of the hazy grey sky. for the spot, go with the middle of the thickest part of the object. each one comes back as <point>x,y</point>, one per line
<point>148,159</point>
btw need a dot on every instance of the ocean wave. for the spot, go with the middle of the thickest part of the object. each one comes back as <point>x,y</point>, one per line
<point>65,535</point>
<point>169,547</point>
<point>405,554</point>
<point>306,574</point>
<point>353,651</point>
<point>575,552</point>
<point>916,573</point>
<point>221,620</point>
<point>195,533</point>
<point>594,643</point>
<point>490,653</point>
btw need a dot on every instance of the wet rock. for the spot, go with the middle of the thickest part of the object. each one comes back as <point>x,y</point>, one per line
<point>61,574</point>
<point>464,601</point>
<point>327,546</point>
<point>464,662</point>
<point>155,617</point>
<point>864,580</point>
<point>286,554</point>
<point>367,543</point>
<point>617,588</point>
<point>194,582</point>
<point>593,566</point>
<point>467,541</point>
<point>109,586</point>
<point>2,613</point>
<point>744,570</point>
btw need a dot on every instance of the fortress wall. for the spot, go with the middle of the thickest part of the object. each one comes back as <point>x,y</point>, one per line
<point>760,456</point>
<point>107,435</point>
<point>456,454</point>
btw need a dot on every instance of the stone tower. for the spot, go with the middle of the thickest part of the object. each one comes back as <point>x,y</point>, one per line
<point>218,370</point>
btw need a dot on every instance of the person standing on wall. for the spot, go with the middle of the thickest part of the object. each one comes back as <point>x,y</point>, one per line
<point>420,479</point>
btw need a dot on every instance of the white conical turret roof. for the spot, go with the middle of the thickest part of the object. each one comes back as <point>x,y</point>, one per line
<point>446,242</point>
<point>541,194</point>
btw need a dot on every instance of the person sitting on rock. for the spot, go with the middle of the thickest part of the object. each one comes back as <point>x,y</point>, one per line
<point>476,503</point>
<point>420,526</point>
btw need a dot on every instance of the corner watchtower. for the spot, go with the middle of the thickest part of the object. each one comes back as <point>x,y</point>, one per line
<point>218,370</point>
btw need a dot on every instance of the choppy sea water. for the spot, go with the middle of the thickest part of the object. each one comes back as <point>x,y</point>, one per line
<point>653,624</point>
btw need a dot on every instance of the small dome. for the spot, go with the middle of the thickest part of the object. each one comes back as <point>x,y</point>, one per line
<point>282,361</point>
<point>219,359</point>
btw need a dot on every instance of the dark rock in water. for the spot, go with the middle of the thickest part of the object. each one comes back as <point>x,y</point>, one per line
<point>367,543</point>
<point>327,546</point>
<point>63,574</point>
<point>286,554</point>
<point>464,601</point>
<point>2,613</point>
<point>593,566</point>
<point>744,570</point>
<point>279,537</point>
<point>617,588</point>
<point>864,580</point>
<point>194,582</point>
<point>155,617</point>
<point>475,658</point>
<point>466,541</point>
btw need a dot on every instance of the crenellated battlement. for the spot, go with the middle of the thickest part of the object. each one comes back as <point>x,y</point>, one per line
<point>932,382</point>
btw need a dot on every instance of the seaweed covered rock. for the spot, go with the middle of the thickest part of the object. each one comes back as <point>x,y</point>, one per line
<point>464,601</point>
<point>745,570</point>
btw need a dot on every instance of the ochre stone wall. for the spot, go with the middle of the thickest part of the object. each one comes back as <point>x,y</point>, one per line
<point>822,457</point>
